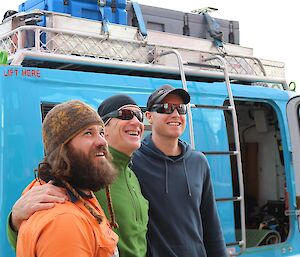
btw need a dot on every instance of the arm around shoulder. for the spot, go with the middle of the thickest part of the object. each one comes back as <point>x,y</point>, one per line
<point>11,234</point>
<point>34,198</point>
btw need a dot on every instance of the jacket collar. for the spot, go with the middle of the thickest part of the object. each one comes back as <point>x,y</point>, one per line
<point>74,199</point>
<point>119,159</point>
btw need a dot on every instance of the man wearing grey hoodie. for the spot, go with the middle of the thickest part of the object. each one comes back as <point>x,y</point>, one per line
<point>175,179</point>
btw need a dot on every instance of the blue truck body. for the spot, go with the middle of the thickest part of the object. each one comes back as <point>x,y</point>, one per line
<point>258,203</point>
<point>23,90</point>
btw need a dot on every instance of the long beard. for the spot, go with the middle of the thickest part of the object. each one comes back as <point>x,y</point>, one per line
<point>87,173</point>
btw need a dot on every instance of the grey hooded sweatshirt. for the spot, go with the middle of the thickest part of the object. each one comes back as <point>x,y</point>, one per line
<point>183,219</point>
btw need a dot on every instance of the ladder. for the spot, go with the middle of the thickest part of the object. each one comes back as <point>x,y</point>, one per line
<point>236,152</point>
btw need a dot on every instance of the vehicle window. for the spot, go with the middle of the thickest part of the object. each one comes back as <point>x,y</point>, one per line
<point>45,108</point>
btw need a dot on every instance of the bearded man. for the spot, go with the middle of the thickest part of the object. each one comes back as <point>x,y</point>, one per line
<point>77,159</point>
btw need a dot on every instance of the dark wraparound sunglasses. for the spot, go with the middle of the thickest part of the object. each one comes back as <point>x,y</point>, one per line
<point>125,114</point>
<point>168,108</point>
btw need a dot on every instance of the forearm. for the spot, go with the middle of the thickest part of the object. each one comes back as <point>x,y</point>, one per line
<point>11,234</point>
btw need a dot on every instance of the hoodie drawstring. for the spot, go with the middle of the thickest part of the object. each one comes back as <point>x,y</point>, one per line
<point>187,178</point>
<point>167,177</point>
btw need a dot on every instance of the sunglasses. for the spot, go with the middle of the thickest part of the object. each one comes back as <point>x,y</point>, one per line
<point>125,114</point>
<point>168,108</point>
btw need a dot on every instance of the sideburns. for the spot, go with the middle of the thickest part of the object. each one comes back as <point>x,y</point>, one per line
<point>56,166</point>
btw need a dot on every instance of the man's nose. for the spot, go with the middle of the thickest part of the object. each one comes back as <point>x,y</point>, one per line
<point>175,113</point>
<point>100,140</point>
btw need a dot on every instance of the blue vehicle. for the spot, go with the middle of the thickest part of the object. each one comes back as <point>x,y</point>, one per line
<point>242,114</point>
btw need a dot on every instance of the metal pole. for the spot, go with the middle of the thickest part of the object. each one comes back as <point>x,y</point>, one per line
<point>183,79</point>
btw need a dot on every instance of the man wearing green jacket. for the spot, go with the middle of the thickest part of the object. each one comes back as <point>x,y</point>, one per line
<point>123,132</point>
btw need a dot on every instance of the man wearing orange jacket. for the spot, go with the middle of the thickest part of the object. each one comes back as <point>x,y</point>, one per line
<point>77,159</point>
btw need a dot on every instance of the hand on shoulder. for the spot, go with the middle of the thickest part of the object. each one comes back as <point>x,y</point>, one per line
<point>40,197</point>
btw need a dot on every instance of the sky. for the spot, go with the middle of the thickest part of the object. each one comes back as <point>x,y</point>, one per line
<point>271,28</point>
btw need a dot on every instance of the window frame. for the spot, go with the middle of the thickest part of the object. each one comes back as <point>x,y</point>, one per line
<point>293,116</point>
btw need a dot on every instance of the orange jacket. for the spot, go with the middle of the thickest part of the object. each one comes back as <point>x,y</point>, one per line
<point>66,230</point>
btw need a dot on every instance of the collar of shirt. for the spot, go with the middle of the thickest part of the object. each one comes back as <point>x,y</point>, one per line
<point>74,199</point>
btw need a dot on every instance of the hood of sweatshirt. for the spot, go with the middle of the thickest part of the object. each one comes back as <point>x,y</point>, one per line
<point>150,149</point>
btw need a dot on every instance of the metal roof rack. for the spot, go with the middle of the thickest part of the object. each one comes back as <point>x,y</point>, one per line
<point>71,40</point>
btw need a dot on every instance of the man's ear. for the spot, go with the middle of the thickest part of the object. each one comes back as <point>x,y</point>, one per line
<point>106,133</point>
<point>107,128</point>
<point>148,116</point>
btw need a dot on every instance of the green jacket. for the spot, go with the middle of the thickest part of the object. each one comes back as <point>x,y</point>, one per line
<point>130,207</point>
<point>11,235</point>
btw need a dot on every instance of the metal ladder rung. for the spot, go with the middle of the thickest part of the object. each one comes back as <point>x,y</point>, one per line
<point>221,153</point>
<point>230,199</point>
<point>225,108</point>
<point>237,243</point>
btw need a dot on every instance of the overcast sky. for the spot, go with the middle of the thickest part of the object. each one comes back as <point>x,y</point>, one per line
<point>271,28</point>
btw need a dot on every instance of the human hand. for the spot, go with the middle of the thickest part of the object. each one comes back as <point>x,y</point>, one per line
<point>37,198</point>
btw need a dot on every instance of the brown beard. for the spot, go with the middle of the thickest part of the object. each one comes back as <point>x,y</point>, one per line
<point>86,173</point>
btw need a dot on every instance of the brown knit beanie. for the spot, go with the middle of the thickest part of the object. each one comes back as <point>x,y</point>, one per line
<point>65,121</point>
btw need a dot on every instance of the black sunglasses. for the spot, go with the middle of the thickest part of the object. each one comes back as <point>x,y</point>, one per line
<point>168,108</point>
<point>125,114</point>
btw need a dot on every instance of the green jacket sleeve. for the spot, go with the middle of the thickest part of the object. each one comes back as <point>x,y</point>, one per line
<point>11,234</point>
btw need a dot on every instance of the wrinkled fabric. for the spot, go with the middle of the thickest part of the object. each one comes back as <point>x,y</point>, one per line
<point>130,207</point>
<point>183,219</point>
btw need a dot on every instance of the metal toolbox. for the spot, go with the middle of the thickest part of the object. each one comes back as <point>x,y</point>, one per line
<point>181,23</point>
<point>114,10</point>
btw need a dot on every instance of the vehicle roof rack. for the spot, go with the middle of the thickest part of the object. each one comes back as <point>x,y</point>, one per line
<point>80,42</point>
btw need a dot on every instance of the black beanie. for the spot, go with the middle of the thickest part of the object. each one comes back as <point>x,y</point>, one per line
<point>114,103</point>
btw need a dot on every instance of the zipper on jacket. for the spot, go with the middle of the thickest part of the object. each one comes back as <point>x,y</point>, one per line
<point>133,194</point>
<point>139,209</point>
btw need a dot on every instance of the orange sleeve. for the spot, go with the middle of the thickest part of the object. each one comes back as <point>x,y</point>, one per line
<point>66,235</point>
